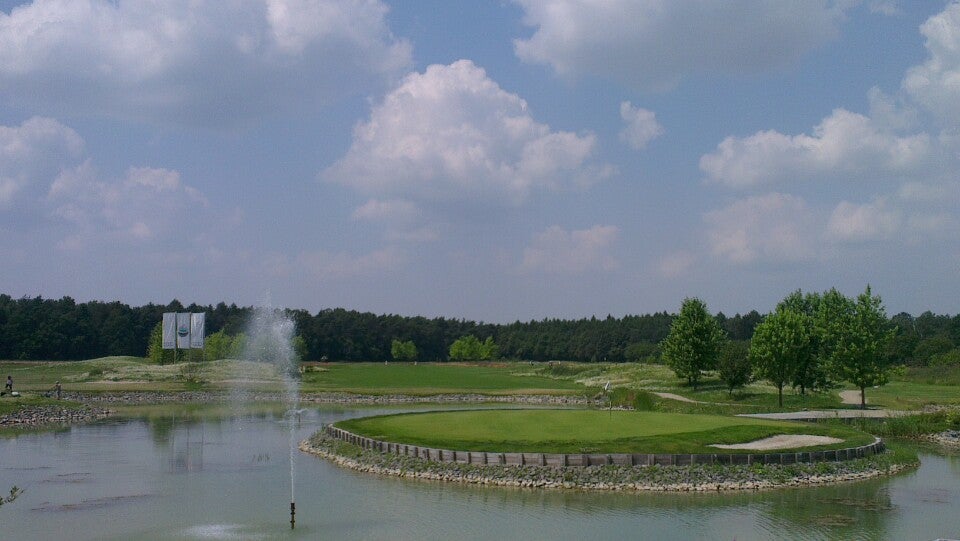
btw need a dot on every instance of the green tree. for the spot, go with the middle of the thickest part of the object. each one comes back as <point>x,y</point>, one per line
<point>155,351</point>
<point>733,365</point>
<point>694,342</point>
<point>781,344</point>
<point>489,351</point>
<point>466,348</point>
<point>403,351</point>
<point>860,336</point>
<point>217,346</point>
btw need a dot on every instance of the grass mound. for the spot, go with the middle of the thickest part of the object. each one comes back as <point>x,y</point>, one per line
<point>585,431</point>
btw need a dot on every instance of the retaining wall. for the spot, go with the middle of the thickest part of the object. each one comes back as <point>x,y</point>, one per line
<point>620,459</point>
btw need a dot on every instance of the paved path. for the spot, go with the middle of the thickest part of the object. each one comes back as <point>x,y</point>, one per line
<point>829,414</point>
<point>671,396</point>
<point>851,397</point>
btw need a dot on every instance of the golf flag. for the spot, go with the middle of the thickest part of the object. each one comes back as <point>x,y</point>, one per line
<point>183,330</point>
<point>169,333</point>
<point>197,322</point>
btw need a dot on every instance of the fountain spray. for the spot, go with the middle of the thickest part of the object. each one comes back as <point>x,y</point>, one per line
<point>271,340</point>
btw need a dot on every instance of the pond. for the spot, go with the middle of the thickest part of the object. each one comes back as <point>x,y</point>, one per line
<point>209,475</point>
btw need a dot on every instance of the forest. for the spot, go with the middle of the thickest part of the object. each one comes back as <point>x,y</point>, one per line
<point>35,328</point>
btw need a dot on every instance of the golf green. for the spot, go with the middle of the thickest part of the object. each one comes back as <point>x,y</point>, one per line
<point>585,431</point>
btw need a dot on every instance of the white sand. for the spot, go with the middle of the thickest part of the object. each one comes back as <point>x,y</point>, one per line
<point>783,441</point>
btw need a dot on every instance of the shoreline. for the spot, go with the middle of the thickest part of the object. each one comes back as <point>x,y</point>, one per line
<point>162,397</point>
<point>695,478</point>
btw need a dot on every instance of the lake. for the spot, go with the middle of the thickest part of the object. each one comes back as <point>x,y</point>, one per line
<point>198,473</point>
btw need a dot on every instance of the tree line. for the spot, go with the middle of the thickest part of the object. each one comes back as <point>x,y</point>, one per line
<point>809,342</point>
<point>35,328</point>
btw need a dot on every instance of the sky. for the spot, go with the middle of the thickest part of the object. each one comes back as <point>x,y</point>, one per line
<point>494,161</point>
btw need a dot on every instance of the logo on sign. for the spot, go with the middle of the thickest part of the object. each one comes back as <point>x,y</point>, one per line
<point>183,331</point>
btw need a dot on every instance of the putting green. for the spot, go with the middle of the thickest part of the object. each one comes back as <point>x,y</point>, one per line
<point>585,431</point>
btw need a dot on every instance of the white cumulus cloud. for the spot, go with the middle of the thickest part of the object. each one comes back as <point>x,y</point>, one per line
<point>863,222</point>
<point>655,43</point>
<point>147,204</point>
<point>558,251</point>
<point>844,143</point>
<point>774,227</point>
<point>640,126</point>
<point>208,62</point>
<point>935,84</point>
<point>32,153</point>
<point>451,133</point>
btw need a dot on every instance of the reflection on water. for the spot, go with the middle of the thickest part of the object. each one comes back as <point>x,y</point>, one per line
<point>209,473</point>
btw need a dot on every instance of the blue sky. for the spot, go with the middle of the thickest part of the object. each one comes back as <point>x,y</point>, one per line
<point>486,160</point>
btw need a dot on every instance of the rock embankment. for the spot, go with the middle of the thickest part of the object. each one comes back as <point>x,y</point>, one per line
<point>947,437</point>
<point>36,416</point>
<point>154,397</point>
<point>695,478</point>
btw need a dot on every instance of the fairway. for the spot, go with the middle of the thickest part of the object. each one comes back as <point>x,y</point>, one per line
<point>430,378</point>
<point>583,431</point>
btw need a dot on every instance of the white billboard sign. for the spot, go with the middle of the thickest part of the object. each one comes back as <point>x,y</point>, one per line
<point>197,323</point>
<point>169,330</point>
<point>183,330</point>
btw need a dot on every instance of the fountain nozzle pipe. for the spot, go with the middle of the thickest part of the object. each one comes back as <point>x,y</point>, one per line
<point>293,512</point>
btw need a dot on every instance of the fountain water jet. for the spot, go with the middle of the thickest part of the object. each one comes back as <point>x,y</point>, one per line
<point>270,339</point>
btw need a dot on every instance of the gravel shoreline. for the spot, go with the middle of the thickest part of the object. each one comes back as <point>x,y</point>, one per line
<point>40,416</point>
<point>696,478</point>
<point>158,397</point>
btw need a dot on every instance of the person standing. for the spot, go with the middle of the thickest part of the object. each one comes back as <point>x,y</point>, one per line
<point>58,388</point>
<point>9,386</point>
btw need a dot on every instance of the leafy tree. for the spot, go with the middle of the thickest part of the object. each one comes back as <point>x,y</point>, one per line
<point>403,351</point>
<point>860,336</point>
<point>733,365</point>
<point>782,343</point>
<point>466,348</point>
<point>155,351</point>
<point>489,350</point>
<point>694,341</point>
<point>217,346</point>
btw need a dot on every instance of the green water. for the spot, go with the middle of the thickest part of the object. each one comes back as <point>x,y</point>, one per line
<point>227,477</point>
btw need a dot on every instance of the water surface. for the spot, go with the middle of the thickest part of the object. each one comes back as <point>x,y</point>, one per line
<point>226,476</point>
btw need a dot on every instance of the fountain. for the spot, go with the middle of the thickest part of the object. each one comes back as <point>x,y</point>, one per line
<point>270,339</point>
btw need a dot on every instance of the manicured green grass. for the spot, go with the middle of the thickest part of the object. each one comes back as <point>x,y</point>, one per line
<point>910,395</point>
<point>584,431</point>
<point>431,378</point>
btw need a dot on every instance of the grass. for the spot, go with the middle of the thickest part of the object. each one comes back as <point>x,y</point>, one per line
<point>430,378</point>
<point>580,431</point>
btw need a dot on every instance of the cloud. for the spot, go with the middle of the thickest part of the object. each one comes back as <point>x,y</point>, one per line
<point>451,133</point>
<point>676,264</point>
<point>774,227</point>
<point>641,126</point>
<point>395,210</point>
<point>652,44</point>
<point>869,221</point>
<point>194,62</point>
<point>32,153</point>
<point>558,251</point>
<point>146,205</point>
<point>844,143</point>
<point>935,84</point>
<point>323,265</point>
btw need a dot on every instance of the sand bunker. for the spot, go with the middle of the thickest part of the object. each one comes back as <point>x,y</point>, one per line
<point>783,441</point>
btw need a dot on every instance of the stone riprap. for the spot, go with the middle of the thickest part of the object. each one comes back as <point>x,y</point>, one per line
<point>36,416</point>
<point>154,397</point>
<point>689,478</point>
<point>619,459</point>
